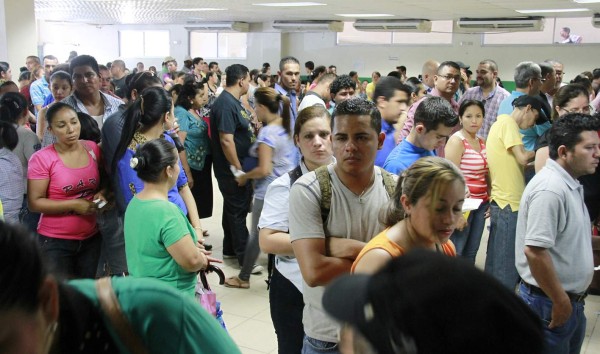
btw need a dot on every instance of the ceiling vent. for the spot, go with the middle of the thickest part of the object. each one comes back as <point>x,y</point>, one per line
<point>218,26</point>
<point>596,20</point>
<point>515,24</point>
<point>393,25</point>
<point>309,26</point>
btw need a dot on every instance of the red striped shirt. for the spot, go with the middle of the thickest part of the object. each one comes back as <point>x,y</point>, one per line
<point>474,167</point>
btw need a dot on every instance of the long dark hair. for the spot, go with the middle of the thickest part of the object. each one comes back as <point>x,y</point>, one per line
<point>188,92</point>
<point>12,106</point>
<point>8,135</point>
<point>271,99</point>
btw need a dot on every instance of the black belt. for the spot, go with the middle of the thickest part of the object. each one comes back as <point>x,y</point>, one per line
<point>537,291</point>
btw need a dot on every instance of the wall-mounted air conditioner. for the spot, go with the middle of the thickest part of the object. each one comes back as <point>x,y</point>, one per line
<point>596,20</point>
<point>503,24</point>
<point>309,26</point>
<point>218,26</point>
<point>413,25</point>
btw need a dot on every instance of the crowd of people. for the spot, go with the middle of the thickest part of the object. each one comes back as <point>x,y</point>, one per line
<point>111,171</point>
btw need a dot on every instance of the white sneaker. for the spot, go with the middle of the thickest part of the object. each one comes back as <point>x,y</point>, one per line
<point>257,269</point>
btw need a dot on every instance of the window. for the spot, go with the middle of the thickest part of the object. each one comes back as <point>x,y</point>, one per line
<point>441,33</point>
<point>218,45</point>
<point>142,44</point>
<point>581,31</point>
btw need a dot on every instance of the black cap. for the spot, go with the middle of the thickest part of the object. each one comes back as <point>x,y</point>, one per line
<point>434,304</point>
<point>462,65</point>
<point>536,102</point>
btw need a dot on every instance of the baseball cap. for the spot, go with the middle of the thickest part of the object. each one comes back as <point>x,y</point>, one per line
<point>427,302</point>
<point>462,65</point>
<point>168,59</point>
<point>536,103</point>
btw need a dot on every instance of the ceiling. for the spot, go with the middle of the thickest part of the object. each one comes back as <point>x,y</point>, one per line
<point>182,11</point>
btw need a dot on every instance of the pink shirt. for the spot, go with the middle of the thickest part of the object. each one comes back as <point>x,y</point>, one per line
<point>66,184</point>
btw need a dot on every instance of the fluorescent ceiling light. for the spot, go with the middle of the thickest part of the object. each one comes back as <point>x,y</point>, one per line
<point>366,15</point>
<point>289,4</point>
<point>586,1</point>
<point>551,11</point>
<point>199,9</point>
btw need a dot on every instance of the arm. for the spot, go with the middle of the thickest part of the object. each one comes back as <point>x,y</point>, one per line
<point>276,242</point>
<point>318,269</point>
<point>265,165</point>
<point>41,125</point>
<point>187,255</point>
<point>543,271</point>
<point>343,247</point>
<point>190,204</point>
<point>454,150</point>
<point>372,261</point>
<point>541,156</point>
<point>39,202</point>
<point>184,162</point>
<point>523,156</point>
<point>228,146</point>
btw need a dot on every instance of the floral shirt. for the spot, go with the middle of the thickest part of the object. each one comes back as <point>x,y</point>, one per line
<point>197,143</point>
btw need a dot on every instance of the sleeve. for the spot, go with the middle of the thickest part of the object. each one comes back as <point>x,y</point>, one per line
<point>305,205</point>
<point>275,212</point>
<point>37,96</point>
<point>31,145</point>
<point>130,184</point>
<point>226,121</point>
<point>545,216</point>
<point>175,225</point>
<point>267,136</point>
<point>182,179</point>
<point>39,165</point>
<point>510,135</point>
<point>183,120</point>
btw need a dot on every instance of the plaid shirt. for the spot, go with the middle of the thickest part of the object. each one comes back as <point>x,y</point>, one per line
<point>491,104</point>
<point>38,91</point>
<point>111,104</point>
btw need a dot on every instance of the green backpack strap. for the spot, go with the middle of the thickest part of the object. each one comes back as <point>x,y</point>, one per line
<point>388,182</point>
<point>325,185</point>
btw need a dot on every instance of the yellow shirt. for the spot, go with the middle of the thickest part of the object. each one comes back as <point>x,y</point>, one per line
<point>506,173</point>
<point>370,89</point>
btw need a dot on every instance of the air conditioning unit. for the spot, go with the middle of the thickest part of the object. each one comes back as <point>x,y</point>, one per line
<point>415,25</point>
<point>503,24</point>
<point>596,20</point>
<point>218,26</point>
<point>309,26</point>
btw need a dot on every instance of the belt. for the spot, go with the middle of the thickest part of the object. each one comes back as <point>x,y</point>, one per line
<point>537,291</point>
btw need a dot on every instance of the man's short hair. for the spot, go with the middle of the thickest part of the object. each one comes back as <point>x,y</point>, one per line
<point>547,68</point>
<point>447,63</point>
<point>567,131</point>
<point>491,63</point>
<point>352,73</point>
<point>212,64</point>
<point>84,60</point>
<point>235,73</point>
<point>401,68</point>
<point>327,79</point>
<point>395,74</point>
<point>309,65</point>
<point>434,111</point>
<point>376,73</point>
<point>286,60</point>
<point>332,67</point>
<point>526,71</point>
<point>120,63</point>
<point>196,60</point>
<point>342,82</point>
<point>566,29</point>
<point>102,67</point>
<point>596,74</point>
<point>34,57</point>
<point>388,86</point>
<point>50,57</point>
<point>356,106</point>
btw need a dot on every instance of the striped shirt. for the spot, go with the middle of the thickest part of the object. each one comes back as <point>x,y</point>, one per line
<point>474,167</point>
<point>491,104</point>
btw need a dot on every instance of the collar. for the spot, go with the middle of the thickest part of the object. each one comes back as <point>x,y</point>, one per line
<point>283,91</point>
<point>564,175</point>
<point>386,127</point>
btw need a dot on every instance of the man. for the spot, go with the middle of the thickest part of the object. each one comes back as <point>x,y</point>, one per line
<point>391,97</point>
<point>464,84</point>
<point>214,67</point>
<point>402,71</point>
<point>200,68</point>
<point>375,75</point>
<point>434,121</point>
<point>187,65</point>
<point>332,69</point>
<point>309,66</point>
<point>596,80</point>
<point>289,75</point>
<point>506,158</point>
<point>567,37</point>
<point>31,62</point>
<point>445,83</point>
<point>487,91</point>
<point>325,248</point>
<point>117,71</point>
<point>39,88</point>
<point>139,67</point>
<point>354,76</point>
<point>342,88</point>
<point>559,69</point>
<point>232,136</point>
<point>548,84</point>
<point>553,247</point>
<point>320,95</point>
<point>105,81</point>
<point>428,72</point>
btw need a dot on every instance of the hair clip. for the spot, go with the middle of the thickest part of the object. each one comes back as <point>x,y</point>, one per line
<point>133,162</point>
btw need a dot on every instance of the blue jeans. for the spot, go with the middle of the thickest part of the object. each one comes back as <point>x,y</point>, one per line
<point>468,239</point>
<point>112,255</point>
<point>72,258</point>
<point>566,339</point>
<point>286,305</point>
<point>315,346</point>
<point>252,247</point>
<point>500,259</point>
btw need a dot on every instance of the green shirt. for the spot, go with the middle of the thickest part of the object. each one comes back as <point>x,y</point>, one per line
<point>166,321</point>
<point>150,227</point>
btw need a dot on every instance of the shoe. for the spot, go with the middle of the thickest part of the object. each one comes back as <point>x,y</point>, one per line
<point>257,269</point>
<point>229,256</point>
<point>236,282</point>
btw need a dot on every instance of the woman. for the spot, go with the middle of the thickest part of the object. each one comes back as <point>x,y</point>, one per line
<point>61,86</point>
<point>64,186</point>
<point>5,71</point>
<point>467,151</point>
<point>312,133</point>
<point>193,131</point>
<point>39,314</point>
<point>275,151</point>
<point>417,88</point>
<point>146,119</point>
<point>422,213</point>
<point>571,98</point>
<point>160,243</point>
<point>11,174</point>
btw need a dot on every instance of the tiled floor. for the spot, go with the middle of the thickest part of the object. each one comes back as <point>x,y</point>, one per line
<point>247,315</point>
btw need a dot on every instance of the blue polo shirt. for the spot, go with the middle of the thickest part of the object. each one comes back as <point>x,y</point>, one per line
<point>404,155</point>
<point>388,144</point>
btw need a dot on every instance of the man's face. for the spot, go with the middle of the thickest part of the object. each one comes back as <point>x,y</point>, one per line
<point>583,159</point>
<point>550,81</point>
<point>30,63</point>
<point>215,68</point>
<point>355,144</point>
<point>85,80</point>
<point>535,85</point>
<point>564,34</point>
<point>105,80</point>
<point>485,77</point>
<point>332,70</point>
<point>559,71</point>
<point>245,84</point>
<point>343,95</point>
<point>447,80</point>
<point>49,65</point>
<point>393,108</point>
<point>432,139</point>
<point>172,66</point>
<point>116,70</point>
<point>290,75</point>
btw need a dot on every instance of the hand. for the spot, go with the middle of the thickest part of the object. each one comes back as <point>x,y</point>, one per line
<point>561,311</point>
<point>487,212</point>
<point>100,195</point>
<point>241,180</point>
<point>84,207</point>
<point>461,223</point>
<point>214,260</point>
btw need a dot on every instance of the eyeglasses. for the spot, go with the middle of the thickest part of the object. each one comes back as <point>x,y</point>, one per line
<point>538,78</point>
<point>90,75</point>
<point>585,110</point>
<point>449,77</point>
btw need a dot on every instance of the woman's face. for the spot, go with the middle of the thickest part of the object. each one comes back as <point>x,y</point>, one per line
<point>435,223</point>
<point>7,75</point>
<point>173,171</point>
<point>199,100</point>
<point>60,88</point>
<point>21,332</point>
<point>314,141</point>
<point>65,126</point>
<point>472,119</point>
<point>579,104</point>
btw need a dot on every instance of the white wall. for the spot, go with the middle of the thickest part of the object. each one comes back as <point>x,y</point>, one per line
<point>17,33</point>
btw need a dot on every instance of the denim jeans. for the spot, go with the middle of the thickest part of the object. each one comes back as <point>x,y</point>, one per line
<point>112,254</point>
<point>566,339</point>
<point>72,258</point>
<point>315,346</point>
<point>252,247</point>
<point>500,259</point>
<point>236,204</point>
<point>28,218</point>
<point>468,239</point>
<point>286,305</point>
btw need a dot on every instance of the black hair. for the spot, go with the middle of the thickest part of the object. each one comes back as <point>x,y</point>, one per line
<point>62,75</point>
<point>356,106</point>
<point>468,103</point>
<point>196,60</point>
<point>387,87</point>
<point>89,128</point>
<point>235,73</point>
<point>395,74</point>
<point>565,94</point>
<point>54,109</point>
<point>186,93</point>
<point>318,70</point>
<point>272,99</point>
<point>212,64</point>
<point>342,82</point>
<point>140,81</point>
<point>4,87</point>
<point>415,85</point>
<point>309,65</point>
<point>61,67</point>
<point>4,67</point>
<point>308,113</point>
<point>451,64</point>
<point>567,130</point>
<point>152,159</point>
<point>84,60</point>
<point>434,111</point>
<point>286,60</point>
<point>254,73</point>
<point>266,65</point>
<point>352,73</point>
<point>8,135</point>
<point>547,68</point>
<point>25,75</point>
<point>146,111</point>
<point>12,106</point>
<point>22,270</point>
<point>402,68</point>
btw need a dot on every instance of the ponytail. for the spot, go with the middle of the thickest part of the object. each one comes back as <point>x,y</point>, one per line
<point>12,107</point>
<point>8,135</point>
<point>285,114</point>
